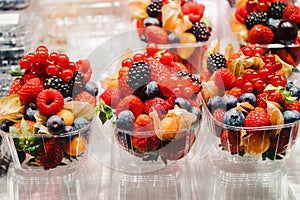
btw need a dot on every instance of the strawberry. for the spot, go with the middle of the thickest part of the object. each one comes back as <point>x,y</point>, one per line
<point>51,154</point>
<point>291,13</point>
<point>241,14</point>
<point>132,103</point>
<point>155,34</point>
<point>111,97</point>
<point>16,86</point>
<point>268,95</point>
<point>157,103</point>
<point>291,106</point>
<point>84,66</point>
<point>230,141</point>
<point>30,90</point>
<point>260,34</point>
<point>224,78</point>
<point>50,101</point>
<point>257,118</point>
<point>178,67</point>
<point>85,96</point>
<point>194,10</point>
<point>159,72</point>
<point>178,148</point>
<point>235,91</point>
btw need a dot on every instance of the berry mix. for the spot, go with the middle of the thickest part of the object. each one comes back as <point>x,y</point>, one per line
<point>171,22</point>
<point>153,98</point>
<point>254,105</point>
<point>49,108</point>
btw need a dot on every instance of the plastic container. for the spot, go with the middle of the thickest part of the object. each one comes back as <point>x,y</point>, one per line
<point>18,36</point>
<point>14,4</point>
<point>250,162</point>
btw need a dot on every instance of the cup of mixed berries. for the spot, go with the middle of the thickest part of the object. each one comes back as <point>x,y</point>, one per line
<point>251,102</point>
<point>272,24</point>
<point>178,24</point>
<point>154,115</point>
<point>47,115</point>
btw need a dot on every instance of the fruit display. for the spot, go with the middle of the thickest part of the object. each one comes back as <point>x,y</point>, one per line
<point>46,116</point>
<point>150,100</point>
<point>269,23</point>
<point>251,102</point>
<point>171,22</point>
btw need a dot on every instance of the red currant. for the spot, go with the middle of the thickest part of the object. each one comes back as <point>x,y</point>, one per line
<point>275,80</point>
<point>31,58</point>
<point>38,67</point>
<point>138,57</point>
<point>270,66</point>
<point>258,51</point>
<point>248,51</point>
<point>151,49</point>
<point>248,87</point>
<point>196,86</point>
<point>41,56</point>
<point>52,70</point>
<point>248,75</point>
<point>166,58</point>
<point>63,60</point>
<point>53,57</point>
<point>72,66</point>
<point>251,5</point>
<point>66,75</point>
<point>278,65</point>
<point>261,7</point>
<point>24,63</point>
<point>259,85</point>
<point>127,62</point>
<point>269,58</point>
<point>41,48</point>
<point>263,73</point>
<point>188,92</point>
<point>239,81</point>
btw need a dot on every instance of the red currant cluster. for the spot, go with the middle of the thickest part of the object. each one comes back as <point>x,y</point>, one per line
<point>42,62</point>
<point>258,5</point>
<point>270,73</point>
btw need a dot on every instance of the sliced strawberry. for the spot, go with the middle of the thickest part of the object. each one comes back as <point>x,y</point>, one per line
<point>111,97</point>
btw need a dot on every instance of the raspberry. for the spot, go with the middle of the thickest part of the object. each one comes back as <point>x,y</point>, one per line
<point>260,34</point>
<point>85,96</point>
<point>157,103</point>
<point>50,101</point>
<point>292,13</point>
<point>224,78</point>
<point>84,66</point>
<point>111,97</point>
<point>132,103</point>
<point>16,86</point>
<point>257,118</point>
<point>51,154</point>
<point>219,114</point>
<point>30,90</point>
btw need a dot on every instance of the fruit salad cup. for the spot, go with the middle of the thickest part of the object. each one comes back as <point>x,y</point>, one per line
<point>46,116</point>
<point>274,24</point>
<point>149,100</point>
<point>177,24</point>
<point>251,104</point>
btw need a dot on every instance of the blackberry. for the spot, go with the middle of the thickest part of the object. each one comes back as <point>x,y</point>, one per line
<point>57,83</point>
<point>154,8</point>
<point>276,9</point>
<point>216,61</point>
<point>256,18</point>
<point>138,74</point>
<point>77,83</point>
<point>201,31</point>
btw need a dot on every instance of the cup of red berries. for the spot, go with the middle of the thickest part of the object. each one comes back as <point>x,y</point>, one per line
<point>178,24</point>
<point>251,103</point>
<point>274,24</point>
<point>150,102</point>
<point>47,114</point>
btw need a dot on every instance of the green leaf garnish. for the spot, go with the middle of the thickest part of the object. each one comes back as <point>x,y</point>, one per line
<point>287,95</point>
<point>13,130</point>
<point>24,127</point>
<point>105,111</point>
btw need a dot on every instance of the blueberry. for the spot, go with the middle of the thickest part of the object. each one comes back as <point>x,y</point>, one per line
<point>233,117</point>
<point>29,114</point>
<point>173,38</point>
<point>4,126</point>
<point>289,84</point>
<point>214,103</point>
<point>55,124</point>
<point>183,103</point>
<point>125,120</point>
<point>67,99</point>
<point>152,89</point>
<point>151,21</point>
<point>295,91</point>
<point>143,38</point>
<point>291,116</point>
<point>229,101</point>
<point>248,97</point>
<point>198,113</point>
<point>92,88</point>
<point>80,122</point>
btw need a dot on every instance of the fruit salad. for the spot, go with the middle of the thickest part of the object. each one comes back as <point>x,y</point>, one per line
<point>171,22</point>
<point>269,22</point>
<point>152,102</point>
<point>251,103</point>
<point>46,116</point>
